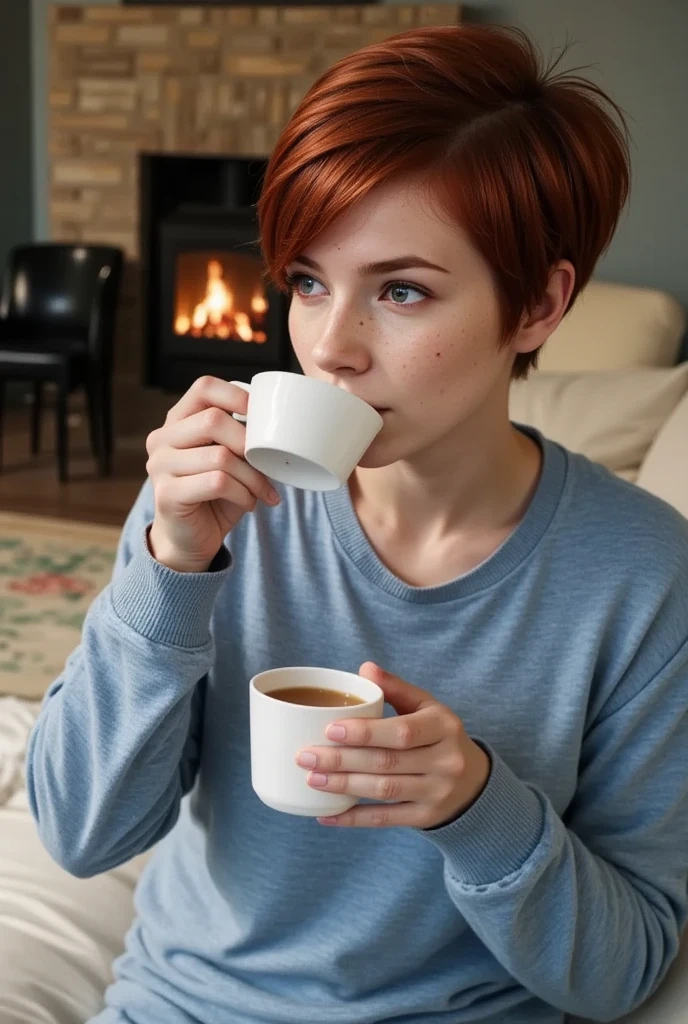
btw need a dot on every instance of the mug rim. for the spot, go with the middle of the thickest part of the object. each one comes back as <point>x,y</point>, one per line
<point>310,670</point>
<point>323,384</point>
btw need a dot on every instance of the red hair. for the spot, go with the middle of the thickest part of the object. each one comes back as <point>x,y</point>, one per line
<point>531,162</point>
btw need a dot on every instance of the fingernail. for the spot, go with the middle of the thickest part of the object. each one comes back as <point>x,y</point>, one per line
<point>336,732</point>
<point>317,779</point>
<point>306,760</point>
<point>327,821</point>
<point>273,497</point>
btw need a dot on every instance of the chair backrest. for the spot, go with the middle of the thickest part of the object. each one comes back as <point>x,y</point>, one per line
<point>66,288</point>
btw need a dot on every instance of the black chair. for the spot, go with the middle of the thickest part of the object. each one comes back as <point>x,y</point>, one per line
<point>57,321</point>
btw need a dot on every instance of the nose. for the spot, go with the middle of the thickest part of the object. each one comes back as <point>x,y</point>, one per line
<point>341,349</point>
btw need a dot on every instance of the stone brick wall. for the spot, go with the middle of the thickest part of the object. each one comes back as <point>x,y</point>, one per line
<point>190,80</point>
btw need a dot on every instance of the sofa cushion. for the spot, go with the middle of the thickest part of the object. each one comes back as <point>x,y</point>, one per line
<point>612,417</point>
<point>615,326</point>
<point>664,471</point>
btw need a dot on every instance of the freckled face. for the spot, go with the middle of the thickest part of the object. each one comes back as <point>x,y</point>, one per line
<point>420,343</point>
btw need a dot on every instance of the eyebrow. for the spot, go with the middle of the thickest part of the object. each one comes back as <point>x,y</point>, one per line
<point>383,267</point>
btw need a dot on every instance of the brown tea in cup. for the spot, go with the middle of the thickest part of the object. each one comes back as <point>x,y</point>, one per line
<point>315,697</point>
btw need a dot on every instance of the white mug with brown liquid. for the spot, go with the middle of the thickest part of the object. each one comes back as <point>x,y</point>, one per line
<point>291,708</point>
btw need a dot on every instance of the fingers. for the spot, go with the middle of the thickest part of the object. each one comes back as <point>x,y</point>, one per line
<point>411,815</point>
<point>209,426</point>
<point>404,697</point>
<point>173,492</point>
<point>208,392</point>
<point>403,732</point>
<point>178,462</point>
<point>205,442</point>
<point>361,759</point>
<point>412,788</point>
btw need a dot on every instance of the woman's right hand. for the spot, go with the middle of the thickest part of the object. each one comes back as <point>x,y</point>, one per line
<point>202,483</point>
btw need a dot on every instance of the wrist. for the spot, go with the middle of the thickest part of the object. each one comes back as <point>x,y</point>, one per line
<point>171,559</point>
<point>481,768</point>
<point>477,778</point>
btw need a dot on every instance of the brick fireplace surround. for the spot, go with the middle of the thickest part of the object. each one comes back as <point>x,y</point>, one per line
<point>187,80</point>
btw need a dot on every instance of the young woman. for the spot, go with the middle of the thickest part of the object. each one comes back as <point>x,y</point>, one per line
<point>434,205</point>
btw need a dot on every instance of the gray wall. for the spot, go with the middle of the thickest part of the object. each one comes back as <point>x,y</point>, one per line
<point>640,56</point>
<point>16,193</point>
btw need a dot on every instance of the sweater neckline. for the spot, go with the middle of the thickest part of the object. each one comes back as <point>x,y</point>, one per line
<point>508,556</point>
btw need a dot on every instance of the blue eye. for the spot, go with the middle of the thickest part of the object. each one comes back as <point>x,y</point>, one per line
<point>302,284</point>
<point>399,290</point>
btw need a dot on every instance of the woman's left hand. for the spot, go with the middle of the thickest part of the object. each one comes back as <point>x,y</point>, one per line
<point>423,758</point>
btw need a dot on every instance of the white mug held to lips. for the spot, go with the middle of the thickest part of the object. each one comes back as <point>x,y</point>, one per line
<point>305,432</point>
<point>279,730</point>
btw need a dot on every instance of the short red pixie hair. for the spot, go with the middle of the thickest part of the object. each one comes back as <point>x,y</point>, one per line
<point>532,163</point>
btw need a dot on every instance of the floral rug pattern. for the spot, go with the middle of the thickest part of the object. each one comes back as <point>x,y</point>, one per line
<point>50,571</point>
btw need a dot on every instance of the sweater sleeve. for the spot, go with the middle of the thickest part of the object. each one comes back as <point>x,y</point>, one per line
<point>115,746</point>
<point>586,911</point>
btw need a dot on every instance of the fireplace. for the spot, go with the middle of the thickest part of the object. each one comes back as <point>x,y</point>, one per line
<point>207,305</point>
<point>232,305</point>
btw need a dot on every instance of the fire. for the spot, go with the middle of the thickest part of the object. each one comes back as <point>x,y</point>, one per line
<point>215,317</point>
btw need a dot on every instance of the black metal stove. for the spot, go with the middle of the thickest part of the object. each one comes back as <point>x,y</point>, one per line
<point>207,305</point>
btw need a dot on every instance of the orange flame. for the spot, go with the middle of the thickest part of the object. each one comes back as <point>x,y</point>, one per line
<point>215,317</point>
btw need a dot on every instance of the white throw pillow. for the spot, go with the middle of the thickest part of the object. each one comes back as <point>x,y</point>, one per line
<point>614,327</point>
<point>612,417</point>
<point>58,934</point>
<point>664,471</point>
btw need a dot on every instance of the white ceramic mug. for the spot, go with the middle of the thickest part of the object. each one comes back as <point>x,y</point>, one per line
<point>305,432</point>
<point>279,730</point>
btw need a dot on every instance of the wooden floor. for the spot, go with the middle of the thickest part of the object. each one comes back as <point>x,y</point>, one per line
<point>29,484</point>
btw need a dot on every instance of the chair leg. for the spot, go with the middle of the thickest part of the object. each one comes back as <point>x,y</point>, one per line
<point>62,411</point>
<point>95,430</point>
<point>36,416</point>
<point>108,433</point>
<point>99,392</point>
<point>105,396</point>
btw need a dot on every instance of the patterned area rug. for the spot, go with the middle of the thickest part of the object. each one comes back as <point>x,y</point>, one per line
<point>50,571</point>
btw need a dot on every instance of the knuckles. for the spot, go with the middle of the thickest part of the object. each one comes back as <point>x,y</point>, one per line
<point>389,788</point>
<point>220,457</point>
<point>212,419</point>
<point>454,764</point>
<point>217,482</point>
<point>405,735</point>
<point>386,760</point>
<point>202,385</point>
<point>164,499</point>
<point>152,441</point>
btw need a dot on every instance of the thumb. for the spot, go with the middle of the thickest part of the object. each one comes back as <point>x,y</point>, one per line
<point>404,697</point>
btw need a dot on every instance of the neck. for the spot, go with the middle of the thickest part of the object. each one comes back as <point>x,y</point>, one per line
<point>480,478</point>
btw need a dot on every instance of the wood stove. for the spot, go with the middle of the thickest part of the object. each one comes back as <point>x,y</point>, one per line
<point>208,307</point>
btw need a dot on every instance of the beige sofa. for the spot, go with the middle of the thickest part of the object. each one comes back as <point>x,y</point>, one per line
<point>607,387</point>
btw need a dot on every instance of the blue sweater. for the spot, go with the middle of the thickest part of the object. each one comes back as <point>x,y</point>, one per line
<point>561,890</point>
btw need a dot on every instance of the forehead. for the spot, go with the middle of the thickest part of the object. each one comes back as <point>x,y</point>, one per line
<point>393,219</point>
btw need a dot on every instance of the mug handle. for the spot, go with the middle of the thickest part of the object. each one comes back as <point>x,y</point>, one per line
<point>244,387</point>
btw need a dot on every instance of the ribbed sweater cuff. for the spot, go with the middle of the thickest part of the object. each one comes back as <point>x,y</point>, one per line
<point>497,834</point>
<point>165,606</point>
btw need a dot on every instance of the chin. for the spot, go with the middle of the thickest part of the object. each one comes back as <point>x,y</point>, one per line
<point>383,453</point>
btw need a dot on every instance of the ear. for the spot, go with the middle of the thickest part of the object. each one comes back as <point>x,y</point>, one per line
<point>537,327</point>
